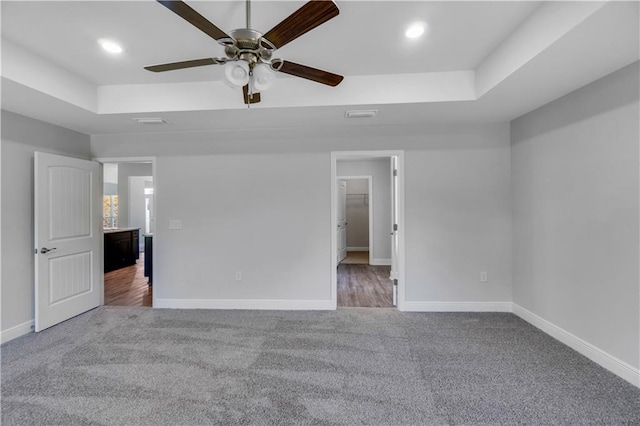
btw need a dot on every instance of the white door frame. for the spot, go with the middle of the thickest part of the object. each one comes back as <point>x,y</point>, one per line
<point>341,212</point>
<point>355,155</point>
<point>369,178</point>
<point>157,281</point>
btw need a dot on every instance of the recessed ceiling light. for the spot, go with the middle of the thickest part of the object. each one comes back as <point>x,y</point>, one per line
<point>110,46</point>
<point>415,30</point>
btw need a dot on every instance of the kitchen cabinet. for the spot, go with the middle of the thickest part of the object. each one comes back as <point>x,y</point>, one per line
<point>121,248</point>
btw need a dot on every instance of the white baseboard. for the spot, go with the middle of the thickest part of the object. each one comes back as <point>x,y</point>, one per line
<point>595,354</point>
<point>17,331</point>
<point>305,305</point>
<point>386,262</point>
<point>357,248</point>
<point>457,306</point>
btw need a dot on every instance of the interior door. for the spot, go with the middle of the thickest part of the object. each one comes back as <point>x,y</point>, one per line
<point>342,219</point>
<point>394,228</point>
<point>68,238</point>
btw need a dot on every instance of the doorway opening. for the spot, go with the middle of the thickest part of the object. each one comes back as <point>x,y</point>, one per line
<point>128,226</point>
<point>362,282</point>
<point>356,205</point>
<point>367,219</point>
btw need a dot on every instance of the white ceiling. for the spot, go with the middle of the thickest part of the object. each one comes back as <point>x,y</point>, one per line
<point>478,61</point>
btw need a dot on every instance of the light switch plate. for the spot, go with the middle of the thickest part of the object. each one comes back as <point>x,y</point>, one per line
<point>175,224</point>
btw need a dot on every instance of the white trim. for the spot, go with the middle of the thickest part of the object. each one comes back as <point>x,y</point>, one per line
<point>401,233</point>
<point>358,249</point>
<point>595,354</point>
<point>333,252</point>
<point>292,305</point>
<point>17,331</point>
<point>457,307</point>
<point>385,262</point>
<point>124,159</point>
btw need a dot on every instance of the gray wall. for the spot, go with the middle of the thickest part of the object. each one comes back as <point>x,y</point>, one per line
<point>124,171</point>
<point>110,179</point>
<point>380,170</point>
<point>21,137</point>
<point>257,214</point>
<point>575,213</point>
<point>260,202</point>
<point>458,223</point>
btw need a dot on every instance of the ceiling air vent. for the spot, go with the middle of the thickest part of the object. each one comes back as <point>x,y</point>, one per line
<point>150,120</point>
<point>361,113</point>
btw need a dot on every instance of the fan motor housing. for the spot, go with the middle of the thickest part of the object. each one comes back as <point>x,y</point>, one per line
<point>249,44</point>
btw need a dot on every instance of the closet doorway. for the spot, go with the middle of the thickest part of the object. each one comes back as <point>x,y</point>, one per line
<point>358,223</point>
<point>368,229</point>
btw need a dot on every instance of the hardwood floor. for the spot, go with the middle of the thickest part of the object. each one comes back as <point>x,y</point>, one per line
<point>364,286</point>
<point>359,285</point>
<point>127,286</point>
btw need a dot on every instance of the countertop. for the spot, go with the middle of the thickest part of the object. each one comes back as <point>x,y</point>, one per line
<point>114,230</point>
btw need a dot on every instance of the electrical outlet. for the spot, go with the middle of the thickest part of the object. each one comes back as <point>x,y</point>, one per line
<point>238,275</point>
<point>484,277</point>
<point>175,224</point>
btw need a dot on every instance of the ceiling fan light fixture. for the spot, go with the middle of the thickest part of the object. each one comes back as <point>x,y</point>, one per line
<point>263,77</point>
<point>248,52</point>
<point>237,73</point>
<point>415,30</point>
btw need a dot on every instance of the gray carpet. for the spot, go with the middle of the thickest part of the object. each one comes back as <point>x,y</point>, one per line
<point>137,366</point>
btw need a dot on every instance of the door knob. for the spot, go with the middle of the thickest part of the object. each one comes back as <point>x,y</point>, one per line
<point>44,250</point>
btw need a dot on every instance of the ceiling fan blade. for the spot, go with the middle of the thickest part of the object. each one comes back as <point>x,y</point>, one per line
<point>194,18</point>
<point>309,16</point>
<point>253,99</point>
<point>309,73</point>
<point>183,64</point>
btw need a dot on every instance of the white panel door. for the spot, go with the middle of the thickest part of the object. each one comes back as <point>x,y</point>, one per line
<point>342,219</point>
<point>394,228</point>
<point>68,238</point>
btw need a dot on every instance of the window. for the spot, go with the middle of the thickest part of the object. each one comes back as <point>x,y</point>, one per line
<point>110,211</point>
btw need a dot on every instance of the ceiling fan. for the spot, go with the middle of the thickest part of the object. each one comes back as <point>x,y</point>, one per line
<point>249,61</point>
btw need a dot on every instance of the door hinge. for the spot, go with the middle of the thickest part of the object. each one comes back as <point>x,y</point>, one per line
<point>395,293</point>
<point>395,227</point>
<point>395,172</point>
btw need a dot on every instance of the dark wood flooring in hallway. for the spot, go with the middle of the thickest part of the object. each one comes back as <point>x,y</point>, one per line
<point>127,286</point>
<point>359,285</point>
<point>364,286</point>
